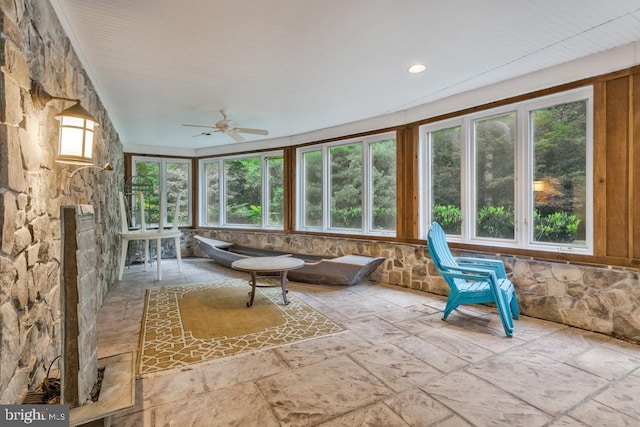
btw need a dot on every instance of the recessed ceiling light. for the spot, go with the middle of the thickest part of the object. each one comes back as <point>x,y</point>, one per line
<point>417,68</point>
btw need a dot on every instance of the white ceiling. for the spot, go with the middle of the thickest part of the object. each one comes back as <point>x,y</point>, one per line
<point>295,66</point>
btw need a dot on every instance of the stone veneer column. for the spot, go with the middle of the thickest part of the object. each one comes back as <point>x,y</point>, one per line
<point>79,304</point>
<point>34,46</point>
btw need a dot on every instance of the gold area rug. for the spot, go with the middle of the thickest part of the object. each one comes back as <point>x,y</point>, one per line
<point>183,325</point>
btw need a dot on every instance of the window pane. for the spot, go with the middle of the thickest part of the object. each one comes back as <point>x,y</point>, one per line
<point>383,155</point>
<point>346,186</point>
<point>212,192</point>
<point>312,163</point>
<point>560,156</point>
<point>275,168</point>
<point>177,182</point>
<point>243,178</point>
<point>445,179</point>
<point>495,144</point>
<point>150,172</point>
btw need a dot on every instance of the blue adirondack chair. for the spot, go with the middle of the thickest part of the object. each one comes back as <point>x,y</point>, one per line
<point>473,280</point>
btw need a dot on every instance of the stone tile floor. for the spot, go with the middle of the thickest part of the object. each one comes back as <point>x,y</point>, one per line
<point>396,364</point>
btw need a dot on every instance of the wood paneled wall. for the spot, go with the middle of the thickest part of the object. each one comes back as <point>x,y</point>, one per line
<point>617,169</point>
<point>634,156</point>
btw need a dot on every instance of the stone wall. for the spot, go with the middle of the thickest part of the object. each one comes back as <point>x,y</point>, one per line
<point>79,304</point>
<point>33,46</point>
<point>600,299</point>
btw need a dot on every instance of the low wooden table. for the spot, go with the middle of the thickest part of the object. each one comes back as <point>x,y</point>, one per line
<point>268,264</point>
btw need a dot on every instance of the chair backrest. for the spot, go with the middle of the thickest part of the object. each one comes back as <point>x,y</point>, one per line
<point>440,252</point>
<point>124,224</point>
<point>126,216</point>
<point>175,219</point>
<point>438,247</point>
<point>176,212</point>
<point>143,220</point>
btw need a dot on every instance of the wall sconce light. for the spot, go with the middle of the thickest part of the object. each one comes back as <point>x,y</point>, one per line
<point>75,142</point>
<point>106,167</point>
<point>538,186</point>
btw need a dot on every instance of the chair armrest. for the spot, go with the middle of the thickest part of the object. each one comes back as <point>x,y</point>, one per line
<point>496,265</point>
<point>484,273</point>
<point>480,276</point>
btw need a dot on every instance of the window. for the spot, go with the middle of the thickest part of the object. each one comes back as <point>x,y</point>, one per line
<point>275,191</point>
<point>349,186</point>
<point>493,140</point>
<point>517,176</point>
<point>446,178</point>
<point>168,177</point>
<point>559,136</point>
<point>211,193</point>
<point>383,188</point>
<point>345,183</point>
<point>243,191</point>
<point>311,199</point>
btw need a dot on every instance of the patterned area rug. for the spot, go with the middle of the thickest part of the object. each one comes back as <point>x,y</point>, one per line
<point>184,325</point>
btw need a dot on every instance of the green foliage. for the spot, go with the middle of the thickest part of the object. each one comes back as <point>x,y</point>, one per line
<point>275,170</point>
<point>384,218</point>
<point>346,186</point>
<point>496,222</point>
<point>560,149</point>
<point>243,214</point>
<point>495,150</point>
<point>244,188</point>
<point>384,184</point>
<point>255,214</point>
<point>449,217</point>
<point>350,217</point>
<point>560,133</point>
<point>150,172</point>
<point>212,179</point>
<point>445,166</point>
<point>558,227</point>
<point>243,184</point>
<point>313,188</point>
<point>213,213</point>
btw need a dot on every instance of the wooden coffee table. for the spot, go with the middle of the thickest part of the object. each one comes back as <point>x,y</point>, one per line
<point>268,264</point>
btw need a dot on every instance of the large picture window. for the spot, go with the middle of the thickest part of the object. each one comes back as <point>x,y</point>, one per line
<point>243,191</point>
<point>515,176</point>
<point>168,177</point>
<point>349,186</point>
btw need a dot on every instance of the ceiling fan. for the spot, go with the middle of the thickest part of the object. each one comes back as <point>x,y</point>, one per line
<point>229,127</point>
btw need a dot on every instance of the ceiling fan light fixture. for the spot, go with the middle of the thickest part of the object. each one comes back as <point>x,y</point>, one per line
<point>416,68</point>
<point>229,127</point>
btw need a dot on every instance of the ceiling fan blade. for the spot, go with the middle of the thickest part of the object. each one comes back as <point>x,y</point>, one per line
<point>200,126</point>
<point>252,131</point>
<point>236,136</point>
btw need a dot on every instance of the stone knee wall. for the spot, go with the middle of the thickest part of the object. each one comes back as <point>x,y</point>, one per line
<point>600,299</point>
<point>33,46</point>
